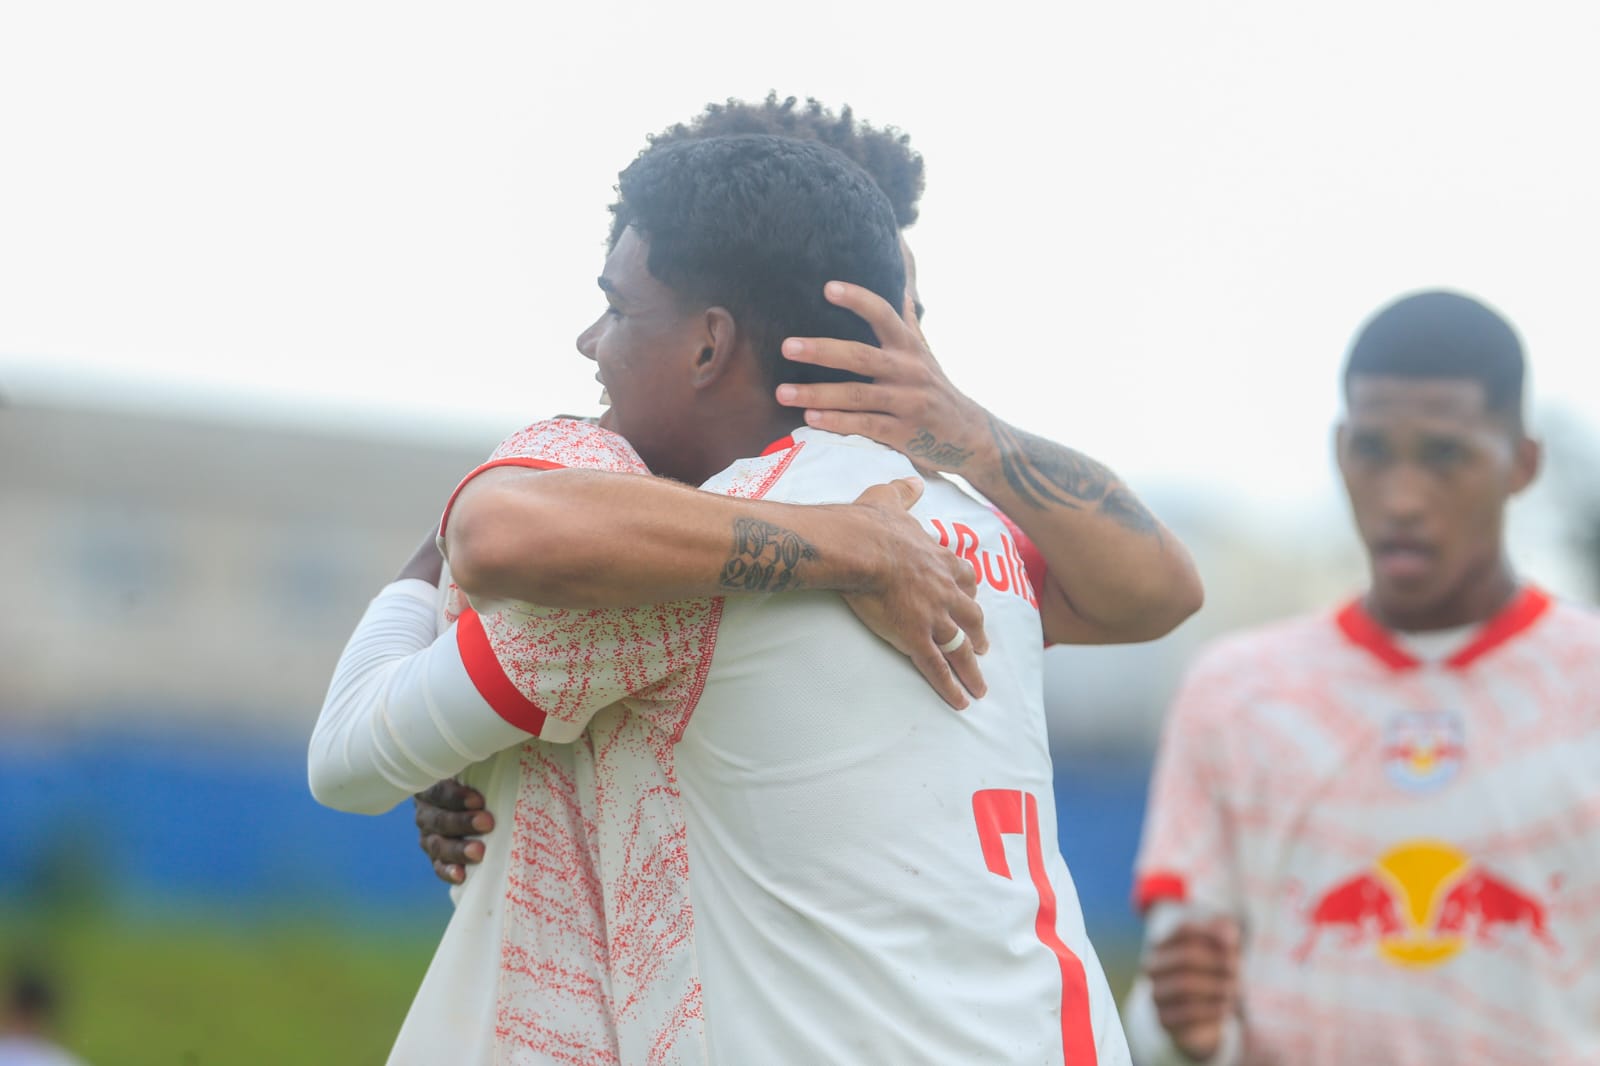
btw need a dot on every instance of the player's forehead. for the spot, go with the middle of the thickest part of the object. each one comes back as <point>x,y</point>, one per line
<point>626,273</point>
<point>1378,402</point>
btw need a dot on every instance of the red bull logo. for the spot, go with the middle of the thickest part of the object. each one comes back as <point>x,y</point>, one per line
<point>1420,904</point>
<point>1422,750</point>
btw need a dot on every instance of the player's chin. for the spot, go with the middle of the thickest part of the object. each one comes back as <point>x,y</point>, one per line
<point>1411,595</point>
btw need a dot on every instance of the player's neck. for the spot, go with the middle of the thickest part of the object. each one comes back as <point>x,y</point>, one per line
<point>743,434</point>
<point>1474,603</point>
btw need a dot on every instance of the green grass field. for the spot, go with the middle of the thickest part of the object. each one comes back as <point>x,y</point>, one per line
<point>211,993</point>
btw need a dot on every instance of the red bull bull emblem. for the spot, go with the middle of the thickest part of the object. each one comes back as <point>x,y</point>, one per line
<point>1423,750</point>
<point>1420,904</point>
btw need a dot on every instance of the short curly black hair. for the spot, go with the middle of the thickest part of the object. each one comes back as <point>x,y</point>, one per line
<point>885,154</point>
<point>758,224</point>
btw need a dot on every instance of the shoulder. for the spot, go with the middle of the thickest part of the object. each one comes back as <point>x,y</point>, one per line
<point>1574,621</point>
<point>1236,671</point>
<point>812,466</point>
<point>568,442</point>
<point>1265,647</point>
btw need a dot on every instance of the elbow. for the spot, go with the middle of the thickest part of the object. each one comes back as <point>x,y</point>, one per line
<point>1146,610</point>
<point>1185,596</point>
<point>334,787</point>
<point>1170,602</point>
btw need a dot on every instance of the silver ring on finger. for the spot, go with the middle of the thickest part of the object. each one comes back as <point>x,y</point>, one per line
<point>954,642</point>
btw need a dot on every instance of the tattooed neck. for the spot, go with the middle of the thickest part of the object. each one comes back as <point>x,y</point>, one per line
<point>1046,474</point>
<point>765,558</point>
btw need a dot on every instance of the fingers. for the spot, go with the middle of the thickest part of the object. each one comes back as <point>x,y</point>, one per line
<point>447,815</point>
<point>964,664</point>
<point>879,427</point>
<point>459,850</point>
<point>1194,980</point>
<point>907,490</point>
<point>1198,1042</point>
<point>853,356</point>
<point>914,324</point>
<point>935,668</point>
<point>882,317</point>
<point>452,795</point>
<point>969,616</point>
<point>438,821</point>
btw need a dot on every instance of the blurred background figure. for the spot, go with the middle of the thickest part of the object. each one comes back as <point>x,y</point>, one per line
<point>28,1025</point>
<point>1371,830</point>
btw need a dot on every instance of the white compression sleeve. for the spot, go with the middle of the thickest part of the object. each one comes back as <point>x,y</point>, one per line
<point>401,712</point>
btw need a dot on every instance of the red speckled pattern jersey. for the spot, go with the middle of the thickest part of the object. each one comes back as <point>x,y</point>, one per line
<point>1413,846</point>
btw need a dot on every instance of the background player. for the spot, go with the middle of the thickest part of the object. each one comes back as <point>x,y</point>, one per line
<point>1371,833</point>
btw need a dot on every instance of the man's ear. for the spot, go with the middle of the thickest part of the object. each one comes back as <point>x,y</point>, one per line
<point>719,350</point>
<point>1525,463</point>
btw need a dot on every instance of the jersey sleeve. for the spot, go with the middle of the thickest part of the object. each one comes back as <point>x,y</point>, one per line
<point>547,671</point>
<point>1186,854</point>
<point>401,712</point>
<point>555,444</point>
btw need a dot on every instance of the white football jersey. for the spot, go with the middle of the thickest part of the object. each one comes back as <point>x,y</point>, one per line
<point>801,854</point>
<point>1413,847</point>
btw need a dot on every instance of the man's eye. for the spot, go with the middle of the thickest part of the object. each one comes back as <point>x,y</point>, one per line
<point>1369,450</point>
<point>1443,453</point>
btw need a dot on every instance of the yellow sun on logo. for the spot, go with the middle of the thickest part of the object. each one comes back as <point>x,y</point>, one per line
<point>1422,872</point>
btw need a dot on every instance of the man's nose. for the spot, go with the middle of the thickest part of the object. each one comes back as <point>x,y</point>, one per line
<point>1404,494</point>
<point>586,340</point>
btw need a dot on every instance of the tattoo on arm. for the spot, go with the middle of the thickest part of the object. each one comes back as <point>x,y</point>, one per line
<point>766,558</point>
<point>1043,473</point>
<point>937,452</point>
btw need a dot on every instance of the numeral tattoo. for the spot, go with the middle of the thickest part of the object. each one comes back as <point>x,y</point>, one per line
<point>938,453</point>
<point>766,558</point>
<point>1043,473</point>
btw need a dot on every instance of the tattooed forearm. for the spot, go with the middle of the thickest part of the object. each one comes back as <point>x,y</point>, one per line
<point>766,558</point>
<point>1043,473</point>
<point>938,453</point>
<point>1124,508</point>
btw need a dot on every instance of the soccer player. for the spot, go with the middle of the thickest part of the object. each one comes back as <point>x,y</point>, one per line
<point>1122,586</point>
<point>1372,833</point>
<point>872,879</point>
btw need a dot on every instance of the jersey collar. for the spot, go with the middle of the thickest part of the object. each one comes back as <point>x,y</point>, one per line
<point>1362,630</point>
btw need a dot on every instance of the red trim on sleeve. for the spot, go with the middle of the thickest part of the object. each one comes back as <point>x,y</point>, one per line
<point>515,460</point>
<point>1526,608</point>
<point>1159,888</point>
<point>490,679</point>
<point>1034,568</point>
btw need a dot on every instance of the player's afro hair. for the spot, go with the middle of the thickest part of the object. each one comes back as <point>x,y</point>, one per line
<point>885,154</point>
<point>759,224</point>
<point>1442,335</point>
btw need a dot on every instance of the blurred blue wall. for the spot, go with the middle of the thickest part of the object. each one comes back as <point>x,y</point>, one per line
<point>225,824</point>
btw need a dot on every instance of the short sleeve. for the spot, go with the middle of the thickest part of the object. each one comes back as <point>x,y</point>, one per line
<point>549,670</point>
<point>556,444</point>
<point>1186,855</point>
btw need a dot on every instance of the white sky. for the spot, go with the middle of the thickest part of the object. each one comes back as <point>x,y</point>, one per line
<point>1149,229</point>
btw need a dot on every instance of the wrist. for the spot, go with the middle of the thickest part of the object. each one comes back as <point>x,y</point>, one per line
<point>852,555</point>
